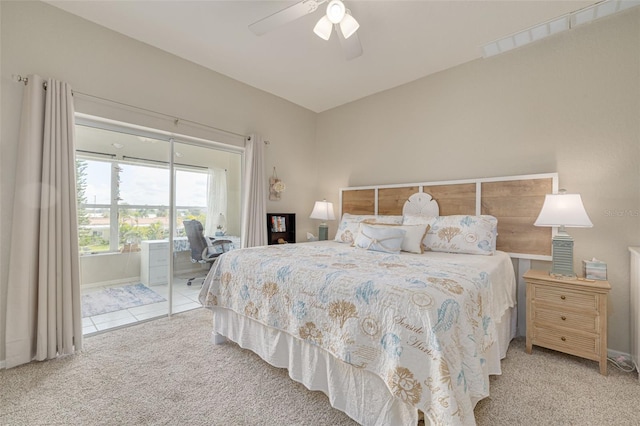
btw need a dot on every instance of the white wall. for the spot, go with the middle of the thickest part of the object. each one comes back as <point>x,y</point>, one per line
<point>570,104</point>
<point>40,39</point>
<point>110,268</point>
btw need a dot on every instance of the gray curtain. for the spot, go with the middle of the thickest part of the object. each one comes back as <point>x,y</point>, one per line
<point>43,298</point>
<point>254,214</point>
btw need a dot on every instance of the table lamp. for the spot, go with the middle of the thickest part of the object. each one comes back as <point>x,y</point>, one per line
<point>323,210</point>
<point>563,210</point>
<point>221,225</point>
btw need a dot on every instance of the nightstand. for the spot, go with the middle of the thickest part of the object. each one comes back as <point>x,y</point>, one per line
<point>567,315</point>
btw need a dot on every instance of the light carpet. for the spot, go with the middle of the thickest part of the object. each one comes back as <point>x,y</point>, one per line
<point>166,372</point>
<point>117,299</point>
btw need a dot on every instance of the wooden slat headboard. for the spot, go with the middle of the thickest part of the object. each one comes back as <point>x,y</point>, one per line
<point>515,201</point>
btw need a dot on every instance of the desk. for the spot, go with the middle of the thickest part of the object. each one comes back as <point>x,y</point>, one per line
<point>181,244</point>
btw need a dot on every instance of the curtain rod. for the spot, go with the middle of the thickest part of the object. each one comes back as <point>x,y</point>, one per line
<point>264,142</point>
<point>20,79</point>
<point>176,120</point>
<point>125,157</point>
<point>96,153</point>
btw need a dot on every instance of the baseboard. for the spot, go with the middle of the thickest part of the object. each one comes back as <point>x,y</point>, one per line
<point>111,282</point>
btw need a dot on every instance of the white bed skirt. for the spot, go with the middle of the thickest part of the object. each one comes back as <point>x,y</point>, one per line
<point>360,394</point>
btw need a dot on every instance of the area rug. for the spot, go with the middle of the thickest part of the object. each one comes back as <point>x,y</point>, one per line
<point>118,298</point>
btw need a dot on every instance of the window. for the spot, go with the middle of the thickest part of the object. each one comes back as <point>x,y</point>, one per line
<point>141,207</point>
<point>94,204</point>
<point>124,183</point>
<point>191,198</point>
<point>124,201</point>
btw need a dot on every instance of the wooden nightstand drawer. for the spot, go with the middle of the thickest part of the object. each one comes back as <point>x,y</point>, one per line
<point>580,344</point>
<point>583,321</point>
<point>563,297</point>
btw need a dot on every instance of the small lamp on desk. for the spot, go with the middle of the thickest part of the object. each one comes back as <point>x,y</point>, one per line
<point>563,210</point>
<point>221,225</point>
<point>323,210</point>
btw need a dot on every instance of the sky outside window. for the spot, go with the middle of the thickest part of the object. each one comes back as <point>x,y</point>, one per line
<point>144,185</point>
<point>98,182</point>
<point>191,188</point>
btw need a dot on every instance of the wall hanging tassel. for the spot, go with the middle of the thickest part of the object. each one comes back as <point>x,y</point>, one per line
<point>276,186</point>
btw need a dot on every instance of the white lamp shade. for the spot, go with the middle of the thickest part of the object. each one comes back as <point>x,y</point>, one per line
<point>348,25</point>
<point>323,210</point>
<point>323,28</point>
<point>222,221</point>
<point>336,11</point>
<point>563,210</point>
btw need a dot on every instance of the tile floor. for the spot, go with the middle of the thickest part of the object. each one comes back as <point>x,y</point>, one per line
<point>184,298</point>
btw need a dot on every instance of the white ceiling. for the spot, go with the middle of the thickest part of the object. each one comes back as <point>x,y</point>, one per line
<point>402,40</point>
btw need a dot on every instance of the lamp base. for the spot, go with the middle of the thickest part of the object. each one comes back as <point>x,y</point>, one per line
<point>323,232</point>
<point>562,257</point>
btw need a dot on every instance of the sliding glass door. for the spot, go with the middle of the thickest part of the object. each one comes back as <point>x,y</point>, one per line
<point>136,190</point>
<point>206,209</point>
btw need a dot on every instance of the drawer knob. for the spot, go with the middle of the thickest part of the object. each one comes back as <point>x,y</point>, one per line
<point>564,339</point>
<point>563,297</point>
<point>563,318</point>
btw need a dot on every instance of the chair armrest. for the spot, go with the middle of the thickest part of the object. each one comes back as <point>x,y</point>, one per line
<point>206,256</point>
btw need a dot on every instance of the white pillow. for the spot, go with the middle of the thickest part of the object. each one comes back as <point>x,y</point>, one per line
<point>459,233</point>
<point>414,234</point>
<point>387,239</point>
<point>419,220</point>
<point>348,227</point>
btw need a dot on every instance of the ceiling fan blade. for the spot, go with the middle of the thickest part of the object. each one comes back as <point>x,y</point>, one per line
<point>351,46</point>
<point>285,16</point>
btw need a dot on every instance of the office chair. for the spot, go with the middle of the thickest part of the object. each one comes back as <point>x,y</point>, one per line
<point>203,250</point>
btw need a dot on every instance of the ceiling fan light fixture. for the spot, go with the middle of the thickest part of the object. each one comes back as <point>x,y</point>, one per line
<point>336,11</point>
<point>348,25</point>
<point>323,28</point>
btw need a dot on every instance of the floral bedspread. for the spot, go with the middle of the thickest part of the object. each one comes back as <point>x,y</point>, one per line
<point>420,323</point>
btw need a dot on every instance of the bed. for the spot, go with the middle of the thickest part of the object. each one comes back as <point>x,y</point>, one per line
<point>388,331</point>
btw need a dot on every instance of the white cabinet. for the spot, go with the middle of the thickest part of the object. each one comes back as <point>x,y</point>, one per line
<point>154,262</point>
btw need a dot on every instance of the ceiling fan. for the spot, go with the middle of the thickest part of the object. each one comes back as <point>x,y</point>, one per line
<point>337,16</point>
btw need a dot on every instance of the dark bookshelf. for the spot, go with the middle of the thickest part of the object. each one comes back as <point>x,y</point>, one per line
<point>281,228</point>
